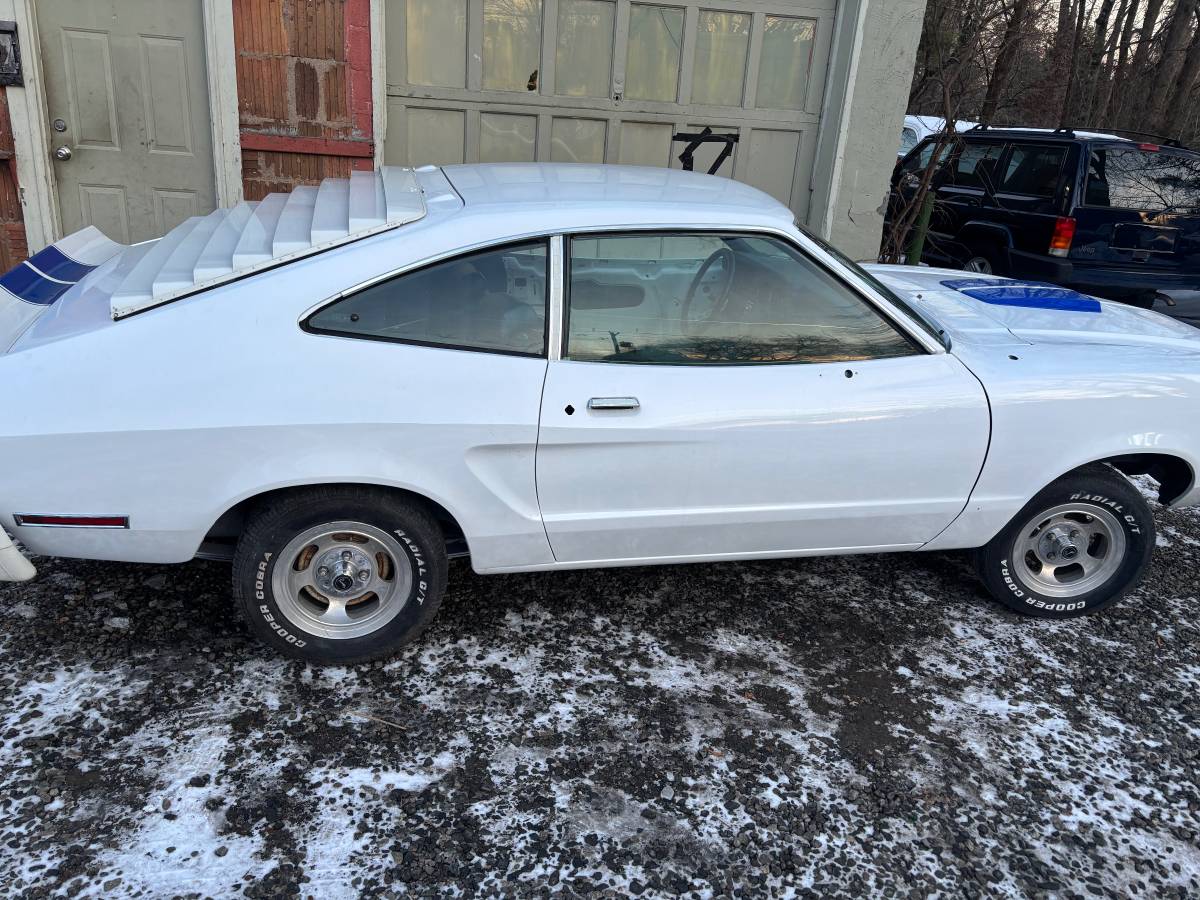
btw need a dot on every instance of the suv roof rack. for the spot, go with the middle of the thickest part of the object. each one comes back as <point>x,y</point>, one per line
<point>1071,131</point>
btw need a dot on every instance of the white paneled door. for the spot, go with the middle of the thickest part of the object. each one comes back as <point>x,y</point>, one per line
<point>127,98</point>
<point>610,81</point>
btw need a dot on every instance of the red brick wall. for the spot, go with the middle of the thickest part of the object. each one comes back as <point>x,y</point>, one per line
<point>13,246</point>
<point>304,90</point>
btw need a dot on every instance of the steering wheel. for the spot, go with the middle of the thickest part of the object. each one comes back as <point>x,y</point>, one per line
<point>721,289</point>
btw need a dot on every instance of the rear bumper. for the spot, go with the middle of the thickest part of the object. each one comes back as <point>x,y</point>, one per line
<point>1039,267</point>
<point>1099,281</point>
<point>13,565</point>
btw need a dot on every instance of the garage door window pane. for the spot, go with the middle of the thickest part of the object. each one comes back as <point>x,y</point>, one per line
<point>577,140</point>
<point>783,67</point>
<point>715,300</point>
<point>494,301</point>
<point>506,138</point>
<point>655,41</point>
<point>583,66</point>
<point>512,43</point>
<point>722,40</point>
<point>436,42</point>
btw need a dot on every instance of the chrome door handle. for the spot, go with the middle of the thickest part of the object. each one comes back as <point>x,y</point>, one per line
<point>62,153</point>
<point>614,403</point>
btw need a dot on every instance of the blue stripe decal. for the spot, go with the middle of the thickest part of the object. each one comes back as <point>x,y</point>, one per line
<point>56,264</point>
<point>1027,294</point>
<point>28,284</point>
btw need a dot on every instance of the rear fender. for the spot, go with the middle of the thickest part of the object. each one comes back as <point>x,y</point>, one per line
<point>986,231</point>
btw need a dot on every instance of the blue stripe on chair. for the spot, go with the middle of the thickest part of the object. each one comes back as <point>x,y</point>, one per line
<point>30,285</point>
<point>56,264</point>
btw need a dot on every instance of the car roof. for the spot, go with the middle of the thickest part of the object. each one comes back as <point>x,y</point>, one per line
<point>600,195</point>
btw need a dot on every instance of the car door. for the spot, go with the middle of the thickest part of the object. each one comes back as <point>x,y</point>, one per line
<point>726,395</point>
<point>963,197</point>
<point>1030,186</point>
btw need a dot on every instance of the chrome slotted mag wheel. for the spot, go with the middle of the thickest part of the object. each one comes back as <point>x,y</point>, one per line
<point>342,580</point>
<point>1069,550</point>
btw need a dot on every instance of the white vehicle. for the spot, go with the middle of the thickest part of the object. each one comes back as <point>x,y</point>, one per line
<point>566,366</point>
<point>916,128</point>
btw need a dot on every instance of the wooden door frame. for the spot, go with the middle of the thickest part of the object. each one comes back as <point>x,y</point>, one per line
<point>31,128</point>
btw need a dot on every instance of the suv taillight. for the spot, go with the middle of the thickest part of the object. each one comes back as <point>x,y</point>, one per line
<point>1064,232</point>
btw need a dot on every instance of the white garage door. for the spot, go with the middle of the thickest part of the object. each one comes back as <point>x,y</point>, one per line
<point>609,81</point>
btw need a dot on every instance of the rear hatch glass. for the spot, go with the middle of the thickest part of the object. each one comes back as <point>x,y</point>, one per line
<point>1141,204</point>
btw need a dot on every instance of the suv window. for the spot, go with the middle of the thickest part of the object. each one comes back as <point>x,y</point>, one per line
<point>715,299</point>
<point>1033,170</point>
<point>1151,180</point>
<point>494,300</point>
<point>976,164</point>
<point>908,139</point>
<point>917,162</point>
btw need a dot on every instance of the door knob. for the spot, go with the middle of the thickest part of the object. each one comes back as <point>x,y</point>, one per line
<point>613,403</point>
<point>62,153</point>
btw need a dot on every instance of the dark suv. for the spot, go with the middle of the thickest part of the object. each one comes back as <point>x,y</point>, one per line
<point>1097,213</point>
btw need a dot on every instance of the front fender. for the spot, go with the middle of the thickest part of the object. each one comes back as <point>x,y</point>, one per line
<point>1058,407</point>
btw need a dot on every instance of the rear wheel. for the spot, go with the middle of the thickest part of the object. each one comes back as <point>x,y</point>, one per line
<point>985,259</point>
<point>1076,548</point>
<point>340,575</point>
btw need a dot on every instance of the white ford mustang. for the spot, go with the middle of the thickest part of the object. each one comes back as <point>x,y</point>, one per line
<point>551,366</point>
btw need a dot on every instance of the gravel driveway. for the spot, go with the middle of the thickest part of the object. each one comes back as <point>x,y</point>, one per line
<point>840,726</point>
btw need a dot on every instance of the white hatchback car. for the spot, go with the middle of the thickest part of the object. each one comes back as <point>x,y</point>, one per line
<point>557,366</point>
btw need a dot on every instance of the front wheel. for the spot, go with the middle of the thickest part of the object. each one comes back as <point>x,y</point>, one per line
<point>1076,548</point>
<point>340,575</point>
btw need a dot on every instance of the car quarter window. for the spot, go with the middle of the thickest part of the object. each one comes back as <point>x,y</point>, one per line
<point>695,299</point>
<point>493,300</point>
<point>1033,170</point>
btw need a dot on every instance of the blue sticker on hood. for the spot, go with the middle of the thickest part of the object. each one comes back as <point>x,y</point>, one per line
<point>1027,294</point>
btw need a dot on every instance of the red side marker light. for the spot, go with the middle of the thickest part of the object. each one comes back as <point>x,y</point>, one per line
<point>1153,148</point>
<point>1064,233</point>
<point>41,521</point>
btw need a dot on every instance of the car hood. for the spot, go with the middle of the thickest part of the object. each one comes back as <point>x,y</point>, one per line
<point>995,311</point>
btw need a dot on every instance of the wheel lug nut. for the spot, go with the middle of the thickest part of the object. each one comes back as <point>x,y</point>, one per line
<point>1074,534</point>
<point>346,554</point>
<point>323,571</point>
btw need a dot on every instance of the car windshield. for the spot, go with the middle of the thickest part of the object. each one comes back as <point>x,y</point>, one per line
<point>929,327</point>
<point>1151,180</point>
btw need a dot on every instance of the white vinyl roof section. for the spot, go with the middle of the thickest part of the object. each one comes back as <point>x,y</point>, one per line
<point>206,251</point>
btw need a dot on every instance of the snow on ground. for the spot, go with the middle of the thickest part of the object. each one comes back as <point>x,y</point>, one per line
<point>848,726</point>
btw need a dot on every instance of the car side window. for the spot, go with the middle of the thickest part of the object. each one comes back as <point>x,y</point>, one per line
<point>706,299</point>
<point>976,166</point>
<point>916,162</point>
<point>908,139</point>
<point>493,300</point>
<point>1033,170</point>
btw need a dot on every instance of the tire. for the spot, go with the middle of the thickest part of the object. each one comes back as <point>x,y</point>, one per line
<point>340,575</point>
<point>1095,515</point>
<point>987,259</point>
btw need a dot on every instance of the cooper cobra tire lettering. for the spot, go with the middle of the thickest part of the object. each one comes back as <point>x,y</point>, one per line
<point>1008,579</point>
